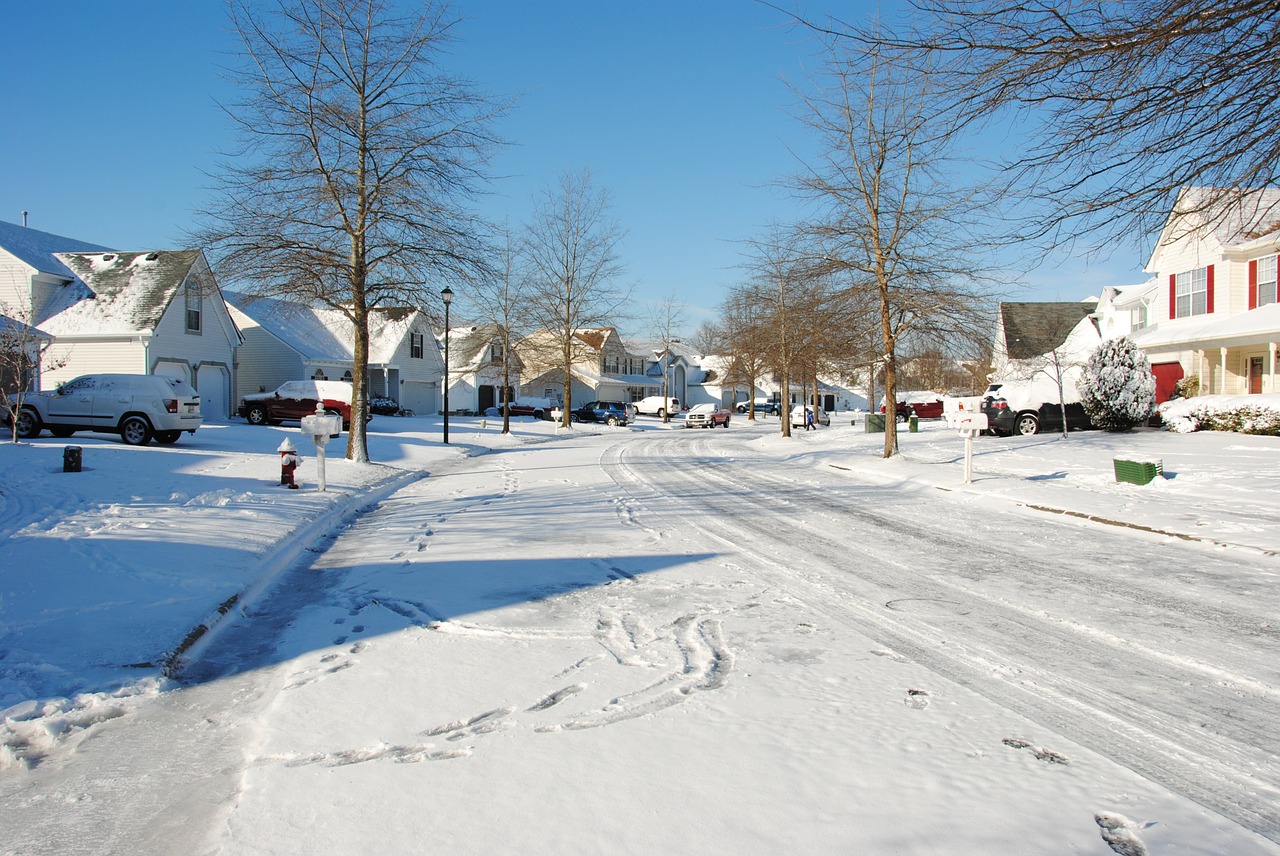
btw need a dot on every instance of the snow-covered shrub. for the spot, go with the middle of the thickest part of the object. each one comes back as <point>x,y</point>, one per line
<point>1117,388</point>
<point>1187,387</point>
<point>1245,414</point>
<point>384,406</point>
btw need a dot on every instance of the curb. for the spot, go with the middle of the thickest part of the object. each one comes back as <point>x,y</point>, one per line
<point>277,561</point>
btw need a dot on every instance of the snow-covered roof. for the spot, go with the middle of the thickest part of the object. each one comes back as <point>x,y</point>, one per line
<point>11,327</point>
<point>36,248</point>
<point>130,291</point>
<point>1032,329</point>
<point>321,334</point>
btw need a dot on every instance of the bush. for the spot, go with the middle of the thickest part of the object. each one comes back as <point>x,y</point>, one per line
<point>1246,419</point>
<point>384,406</point>
<point>1187,387</point>
<point>1117,388</point>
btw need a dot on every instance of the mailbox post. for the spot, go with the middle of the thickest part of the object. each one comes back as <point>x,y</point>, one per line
<point>320,428</point>
<point>966,416</point>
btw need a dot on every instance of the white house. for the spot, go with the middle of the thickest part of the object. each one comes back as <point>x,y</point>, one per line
<point>285,340</point>
<point>1214,313</point>
<point>606,370</point>
<point>475,368</point>
<point>148,312</point>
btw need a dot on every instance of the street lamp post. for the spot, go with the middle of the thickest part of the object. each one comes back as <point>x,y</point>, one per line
<point>446,294</point>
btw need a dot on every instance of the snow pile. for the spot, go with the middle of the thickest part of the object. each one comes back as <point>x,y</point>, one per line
<point>1244,414</point>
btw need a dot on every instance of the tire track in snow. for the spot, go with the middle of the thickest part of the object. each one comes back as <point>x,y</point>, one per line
<point>1053,671</point>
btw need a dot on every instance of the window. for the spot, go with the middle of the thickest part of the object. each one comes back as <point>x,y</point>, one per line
<point>1267,280</point>
<point>415,346</point>
<point>194,302</point>
<point>1191,291</point>
<point>1140,317</point>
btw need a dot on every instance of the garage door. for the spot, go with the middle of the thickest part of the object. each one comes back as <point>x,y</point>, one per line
<point>213,385</point>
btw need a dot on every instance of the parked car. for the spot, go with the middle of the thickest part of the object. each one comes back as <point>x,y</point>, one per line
<point>295,399</point>
<point>1011,409</point>
<point>137,407</point>
<point>922,406</point>
<point>798,416</point>
<point>607,412</point>
<point>656,405</point>
<point>537,411</point>
<point>706,416</point>
<point>762,405</point>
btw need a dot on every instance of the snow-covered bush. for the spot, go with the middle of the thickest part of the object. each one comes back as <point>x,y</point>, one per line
<point>1251,414</point>
<point>1117,388</point>
<point>384,406</point>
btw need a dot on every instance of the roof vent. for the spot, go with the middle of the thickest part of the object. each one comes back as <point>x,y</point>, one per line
<point>152,256</point>
<point>108,257</point>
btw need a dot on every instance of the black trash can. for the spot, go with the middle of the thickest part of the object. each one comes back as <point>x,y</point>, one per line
<point>71,458</point>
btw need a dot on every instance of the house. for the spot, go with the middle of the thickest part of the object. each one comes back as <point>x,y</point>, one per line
<point>147,312</point>
<point>22,345</point>
<point>286,340</point>
<point>475,368</point>
<point>1027,332</point>
<point>606,370</point>
<point>1214,313</point>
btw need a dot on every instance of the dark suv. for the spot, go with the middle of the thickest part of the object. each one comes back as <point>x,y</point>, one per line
<point>608,412</point>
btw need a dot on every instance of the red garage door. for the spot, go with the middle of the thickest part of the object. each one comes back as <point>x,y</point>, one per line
<point>1167,377</point>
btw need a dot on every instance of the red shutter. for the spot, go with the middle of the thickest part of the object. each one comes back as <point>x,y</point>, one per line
<point>1208,289</point>
<point>1253,284</point>
<point>1173,296</point>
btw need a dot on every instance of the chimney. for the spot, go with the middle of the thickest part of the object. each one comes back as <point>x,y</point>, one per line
<point>24,219</point>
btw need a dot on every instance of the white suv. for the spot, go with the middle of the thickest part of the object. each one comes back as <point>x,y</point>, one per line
<point>655,405</point>
<point>137,407</point>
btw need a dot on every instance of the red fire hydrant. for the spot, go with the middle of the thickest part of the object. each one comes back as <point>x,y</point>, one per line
<point>289,460</point>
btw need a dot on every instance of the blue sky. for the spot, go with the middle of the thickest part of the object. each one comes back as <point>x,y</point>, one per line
<point>677,106</point>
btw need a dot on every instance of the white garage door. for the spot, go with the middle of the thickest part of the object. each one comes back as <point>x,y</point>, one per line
<point>213,384</point>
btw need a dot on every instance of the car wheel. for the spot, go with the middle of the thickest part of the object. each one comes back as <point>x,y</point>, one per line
<point>612,422</point>
<point>62,433</point>
<point>1028,423</point>
<point>256,415</point>
<point>28,424</point>
<point>135,430</point>
<point>902,418</point>
<point>168,438</point>
<point>726,422</point>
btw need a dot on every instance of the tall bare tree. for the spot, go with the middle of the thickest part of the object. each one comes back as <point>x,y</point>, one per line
<point>501,301</point>
<point>664,320</point>
<point>748,339</point>
<point>887,219</point>
<point>359,157</point>
<point>572,247</point>
<point>1112,107</point>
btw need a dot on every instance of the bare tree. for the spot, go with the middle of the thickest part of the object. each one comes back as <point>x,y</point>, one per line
<point>1112,106</point>
<point>663,322</point>
<point>501,301</point>
<point>359,156</point>
<point>572,246</point>
<point>748,339</point>
<point>886,215</point>
<point>1049,341</point>
<point>24,353</point>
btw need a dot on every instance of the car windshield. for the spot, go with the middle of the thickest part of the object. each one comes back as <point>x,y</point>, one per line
<point>703,408</point>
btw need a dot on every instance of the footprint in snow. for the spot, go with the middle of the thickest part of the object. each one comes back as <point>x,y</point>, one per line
<point>1046,755</point>
<point>918,699</point>
<point>1120,833</point>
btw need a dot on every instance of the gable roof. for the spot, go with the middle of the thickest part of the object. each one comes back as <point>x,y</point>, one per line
<point>1033,329</point>
<point>326,335</point>
<point>129,291</point>
<point>36,249</point>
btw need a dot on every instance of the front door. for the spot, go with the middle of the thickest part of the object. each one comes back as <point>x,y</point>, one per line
<point>1255,375</point>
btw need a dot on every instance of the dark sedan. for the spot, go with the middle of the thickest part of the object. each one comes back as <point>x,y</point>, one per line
<point>1005,420</point>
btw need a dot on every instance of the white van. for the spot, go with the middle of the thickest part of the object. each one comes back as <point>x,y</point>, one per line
<point>656,405</point>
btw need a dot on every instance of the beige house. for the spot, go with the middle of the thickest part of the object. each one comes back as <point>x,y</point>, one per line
<point>1214,312</point>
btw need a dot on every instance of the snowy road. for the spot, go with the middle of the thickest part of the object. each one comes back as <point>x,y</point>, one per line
<point>1158,654</point>
<point>663,642</point>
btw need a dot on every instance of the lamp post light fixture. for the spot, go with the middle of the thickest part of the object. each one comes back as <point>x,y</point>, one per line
<point>446,294</point>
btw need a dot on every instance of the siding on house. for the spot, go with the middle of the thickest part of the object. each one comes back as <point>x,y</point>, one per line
<point>95,357</point>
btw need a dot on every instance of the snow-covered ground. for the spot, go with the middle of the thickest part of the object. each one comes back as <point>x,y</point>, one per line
<point>641,640</point>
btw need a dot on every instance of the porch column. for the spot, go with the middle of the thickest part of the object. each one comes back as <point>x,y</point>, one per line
<point>1222,383</point>
<point>1271,366</point>
<point>1201,363</point>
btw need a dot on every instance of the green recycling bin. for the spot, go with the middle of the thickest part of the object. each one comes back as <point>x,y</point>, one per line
<point>875,423</point>
<point>913,423</point>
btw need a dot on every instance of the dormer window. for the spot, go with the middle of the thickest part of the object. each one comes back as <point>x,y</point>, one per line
<point>195,303</point>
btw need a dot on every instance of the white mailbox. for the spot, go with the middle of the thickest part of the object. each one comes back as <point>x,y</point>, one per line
<point>320,428</point>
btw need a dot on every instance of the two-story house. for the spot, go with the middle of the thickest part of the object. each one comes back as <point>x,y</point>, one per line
<point>475,368</point>
<point>603,369</point>
<point>146,312</point>
<point>1214,312</point>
